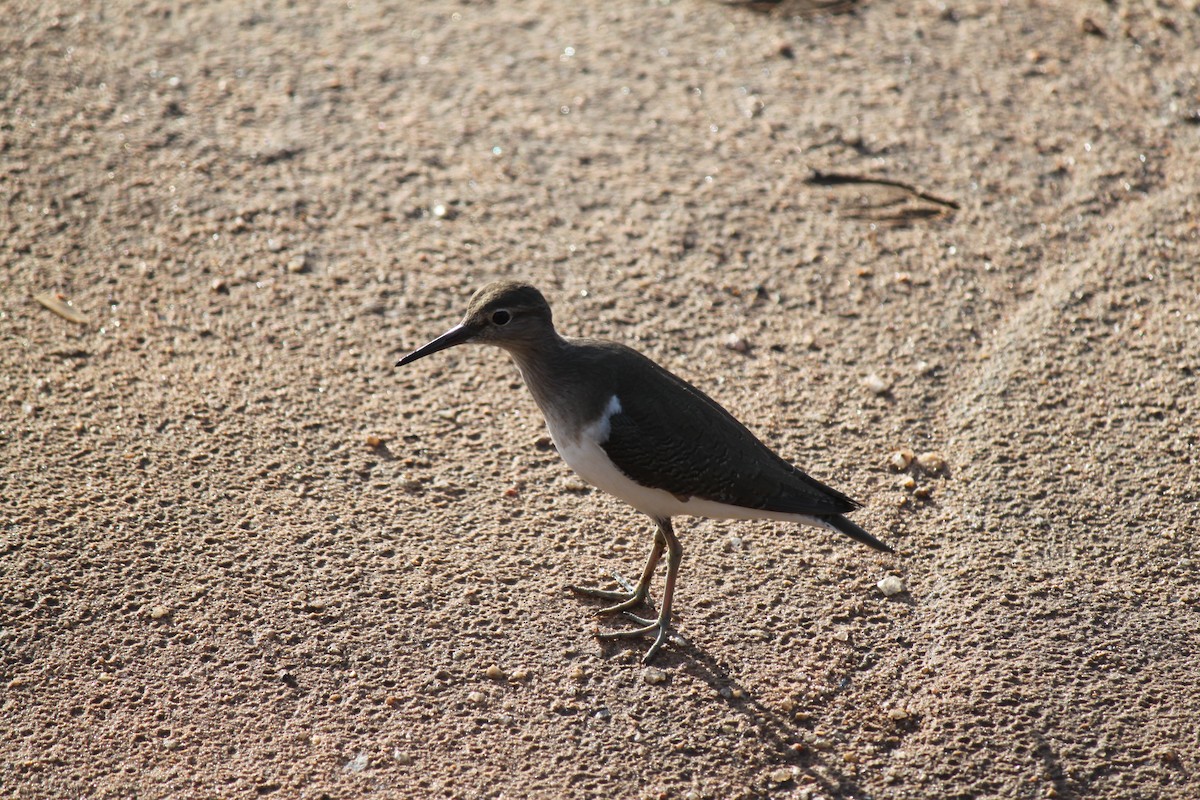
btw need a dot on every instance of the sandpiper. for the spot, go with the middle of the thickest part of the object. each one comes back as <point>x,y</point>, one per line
<point>637,431</point>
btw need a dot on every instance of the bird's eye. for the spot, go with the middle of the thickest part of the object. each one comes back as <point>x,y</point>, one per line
<point>501,317</point>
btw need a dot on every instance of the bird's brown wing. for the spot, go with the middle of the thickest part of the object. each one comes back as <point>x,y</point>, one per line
<point>697,449</point>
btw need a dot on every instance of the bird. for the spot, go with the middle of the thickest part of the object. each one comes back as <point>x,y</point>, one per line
<point>639,432</point>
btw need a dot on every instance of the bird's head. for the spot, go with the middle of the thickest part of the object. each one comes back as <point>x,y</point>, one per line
<point>507,314</point>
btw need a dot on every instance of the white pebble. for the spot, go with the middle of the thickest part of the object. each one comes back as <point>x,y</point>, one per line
<point>737,344</point>
<point>891,586</point>
<point>781,775</point>
<point>900,459</point>
<point>654,676</point>
<point>931,462</point>
<point>875,384</point>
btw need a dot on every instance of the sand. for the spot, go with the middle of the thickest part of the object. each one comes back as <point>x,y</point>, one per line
<point>242,555</point>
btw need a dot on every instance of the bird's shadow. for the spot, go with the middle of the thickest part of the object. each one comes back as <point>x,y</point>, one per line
<point>775,728</point>
<point>779,733</point>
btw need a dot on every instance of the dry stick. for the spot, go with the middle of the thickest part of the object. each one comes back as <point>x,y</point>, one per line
<point>819,178</point>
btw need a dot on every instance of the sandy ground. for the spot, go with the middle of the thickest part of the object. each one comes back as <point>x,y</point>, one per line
<point>242,555</point>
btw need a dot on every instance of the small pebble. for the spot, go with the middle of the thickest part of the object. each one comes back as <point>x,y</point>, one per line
<point>374,441</point>
<point>908,483</point>
<point>1091,27</point>
<point>577,673</point>
<point>737,344</point>
<point>274,245</point>
<point>897,714</point>
<point>476,698</point>
<point>158,612</point>
<point>781,775</point>
<point>931,462</point>
<point>654,676</point>
<point>890,586</point>
<point>753,106</point>
<point>923,493</point>
<point>403,759</point>
<point>297,264</point>
<point>875,384</point>
<point>900,459</point>
<point>495,673</point>
<point>519,675</point>
<point>358,763</point>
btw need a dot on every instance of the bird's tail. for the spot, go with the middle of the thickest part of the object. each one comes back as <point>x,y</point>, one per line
<point>843,525</point>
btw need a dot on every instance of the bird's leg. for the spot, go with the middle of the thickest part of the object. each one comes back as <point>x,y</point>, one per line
<point>661,627</point>
<point>635,597</point>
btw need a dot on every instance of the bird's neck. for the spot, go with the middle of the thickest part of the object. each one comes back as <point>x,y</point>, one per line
<point>548,367</point>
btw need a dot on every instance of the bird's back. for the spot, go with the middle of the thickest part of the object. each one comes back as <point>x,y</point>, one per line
<point>670,435</point>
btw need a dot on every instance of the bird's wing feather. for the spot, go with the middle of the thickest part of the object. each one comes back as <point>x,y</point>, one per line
<point>704,452</point>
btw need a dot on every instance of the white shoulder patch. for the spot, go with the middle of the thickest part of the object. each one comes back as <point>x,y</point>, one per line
<point>598,430</point>
<point>613,408</point>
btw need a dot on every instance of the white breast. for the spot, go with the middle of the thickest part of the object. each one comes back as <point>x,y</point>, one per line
<point>582,450</point>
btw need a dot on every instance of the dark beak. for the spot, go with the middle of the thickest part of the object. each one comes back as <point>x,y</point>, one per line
<point>459,334</point>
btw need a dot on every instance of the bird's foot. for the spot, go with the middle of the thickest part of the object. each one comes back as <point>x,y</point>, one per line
<point>660,627</point>
<point>630,596</point>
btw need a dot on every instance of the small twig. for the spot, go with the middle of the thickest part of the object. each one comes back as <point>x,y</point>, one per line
<point>60,306</point>
<point>819,178</point>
